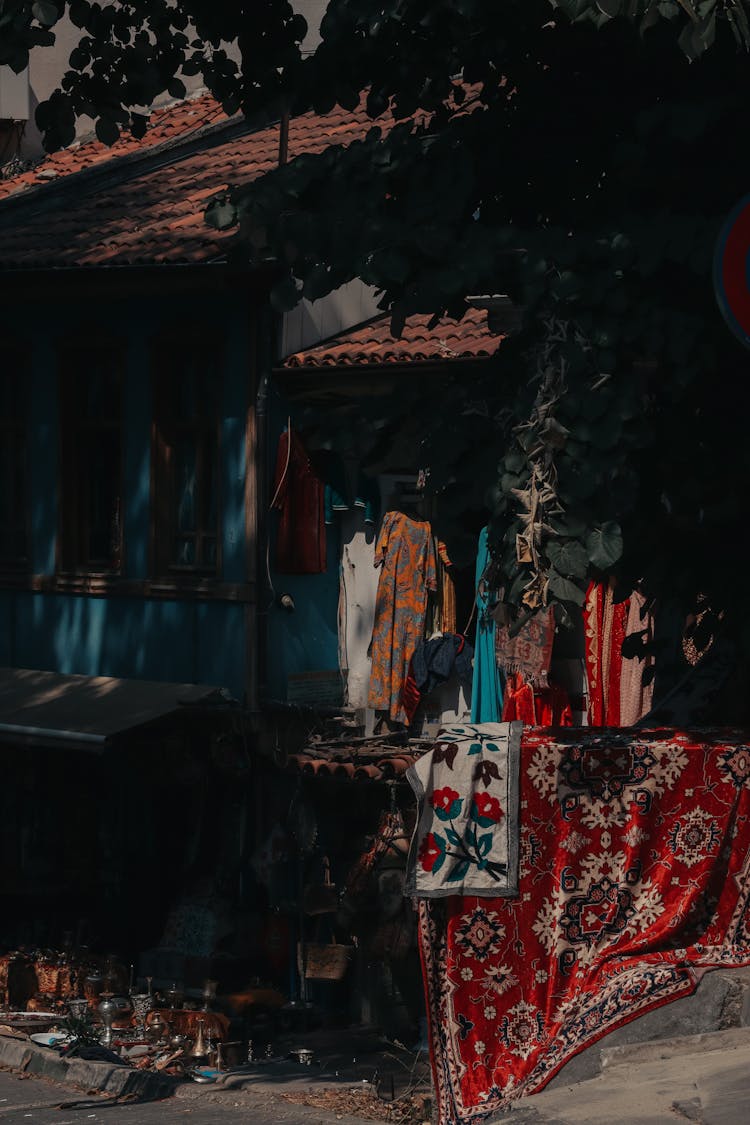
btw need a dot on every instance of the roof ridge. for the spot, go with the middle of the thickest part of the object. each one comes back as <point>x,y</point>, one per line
<point>127,165</point>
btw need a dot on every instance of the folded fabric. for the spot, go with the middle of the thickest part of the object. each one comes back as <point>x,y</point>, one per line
<point>536,707</point>
<point>438,659</point>
<point>434,662</point>
<point>466,839</point>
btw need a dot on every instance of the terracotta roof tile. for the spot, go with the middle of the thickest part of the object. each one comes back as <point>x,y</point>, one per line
<point>352,765</point>
<point>153,213</point>
<point>372,343</point>
<point>179,119</point>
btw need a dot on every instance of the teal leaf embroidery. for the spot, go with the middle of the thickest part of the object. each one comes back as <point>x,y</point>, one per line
<point>458,872</point>
<point>482,821</point>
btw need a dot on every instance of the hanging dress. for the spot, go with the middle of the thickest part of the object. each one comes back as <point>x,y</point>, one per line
<point>486,691</point>
<point>605,622</point>
<point>406,555</point>
<point>298,493</point>
<point>637,684</point>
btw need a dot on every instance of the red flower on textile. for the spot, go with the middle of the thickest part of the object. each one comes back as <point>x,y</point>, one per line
<point>485,809</point>
<point>432,852</point>
<point>446,803</point>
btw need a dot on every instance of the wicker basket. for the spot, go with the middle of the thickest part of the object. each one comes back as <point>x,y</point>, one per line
<point>323,962</point>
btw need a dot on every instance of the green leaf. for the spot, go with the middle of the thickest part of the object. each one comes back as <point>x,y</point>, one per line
<point>46,12</point>
<point>607,432</point>
<point>604,545</point>
<point>570,525</point>
<point>568,558</point>
<point>107,131</point>
<point>458,872</point>
<point>285,295</point>
<point>564,589</point>
<point>610,8</point>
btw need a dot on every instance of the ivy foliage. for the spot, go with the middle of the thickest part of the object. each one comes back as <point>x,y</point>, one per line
<point>583,164</point>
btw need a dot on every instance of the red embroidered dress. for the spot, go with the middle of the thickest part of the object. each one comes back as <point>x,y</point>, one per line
<point>604,622</point>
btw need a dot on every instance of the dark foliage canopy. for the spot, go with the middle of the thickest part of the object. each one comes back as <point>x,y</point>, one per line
<point>579,156</point>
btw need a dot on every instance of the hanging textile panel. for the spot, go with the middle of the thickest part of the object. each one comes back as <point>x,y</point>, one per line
<point>466,839</point>
<point>634,880</point>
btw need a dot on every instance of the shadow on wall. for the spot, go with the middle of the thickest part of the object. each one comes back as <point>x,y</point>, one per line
<point>305,639</point>
<point>184,642</point>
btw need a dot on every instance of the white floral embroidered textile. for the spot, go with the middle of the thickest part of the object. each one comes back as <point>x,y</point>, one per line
<point>467,835</point>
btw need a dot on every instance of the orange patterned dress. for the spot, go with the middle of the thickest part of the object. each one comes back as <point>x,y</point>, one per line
<point>406,554</point>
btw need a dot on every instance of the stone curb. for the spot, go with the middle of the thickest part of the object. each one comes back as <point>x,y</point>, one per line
<point>629,1054</point>
<point>83,1074</point>
<point>119,1081</point>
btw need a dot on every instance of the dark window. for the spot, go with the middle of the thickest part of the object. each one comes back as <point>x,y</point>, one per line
<point>91,413</point>
<point>13,407</point>
<point>186,436</point>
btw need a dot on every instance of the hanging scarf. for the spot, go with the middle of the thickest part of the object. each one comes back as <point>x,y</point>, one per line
<point>635,695</point>
<point>486,691</point>
<point>530,651</point>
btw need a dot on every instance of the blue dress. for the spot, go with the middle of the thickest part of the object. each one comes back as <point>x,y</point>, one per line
<point>486,692</point>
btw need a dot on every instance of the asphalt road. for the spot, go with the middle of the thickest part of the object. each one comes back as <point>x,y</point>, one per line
<point>34,1101</point>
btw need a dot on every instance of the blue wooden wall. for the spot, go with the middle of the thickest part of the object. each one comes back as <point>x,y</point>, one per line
<point>149,638</point>
<point>305,640</point>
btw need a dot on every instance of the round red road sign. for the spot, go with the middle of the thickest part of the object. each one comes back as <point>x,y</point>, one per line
<point>732,271</point>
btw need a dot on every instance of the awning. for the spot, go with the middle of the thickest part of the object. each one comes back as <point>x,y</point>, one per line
<point>87,712</point>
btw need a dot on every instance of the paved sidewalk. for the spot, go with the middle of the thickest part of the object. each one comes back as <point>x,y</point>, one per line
<point>252,1094</point>
<point>702,1078</point>
<point>37,1101</point>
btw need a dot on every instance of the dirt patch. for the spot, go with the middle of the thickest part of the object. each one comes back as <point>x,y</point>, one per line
<point>411,1109</point>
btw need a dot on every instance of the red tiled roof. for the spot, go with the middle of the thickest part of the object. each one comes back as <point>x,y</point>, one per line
<point>166,124</point>
<point>152,214</point>
<point>372,343</point>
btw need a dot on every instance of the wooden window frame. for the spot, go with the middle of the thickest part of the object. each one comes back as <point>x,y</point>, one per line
<point>168,353</point>
<point>72,556</point>
<point>15,357</point>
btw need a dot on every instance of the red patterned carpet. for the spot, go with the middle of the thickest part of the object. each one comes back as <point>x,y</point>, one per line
<point>634,880</point>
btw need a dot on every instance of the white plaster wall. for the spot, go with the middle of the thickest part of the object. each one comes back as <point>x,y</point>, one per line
<point>313,11</point>
<point>46,67</point>
<point>313,321</point>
